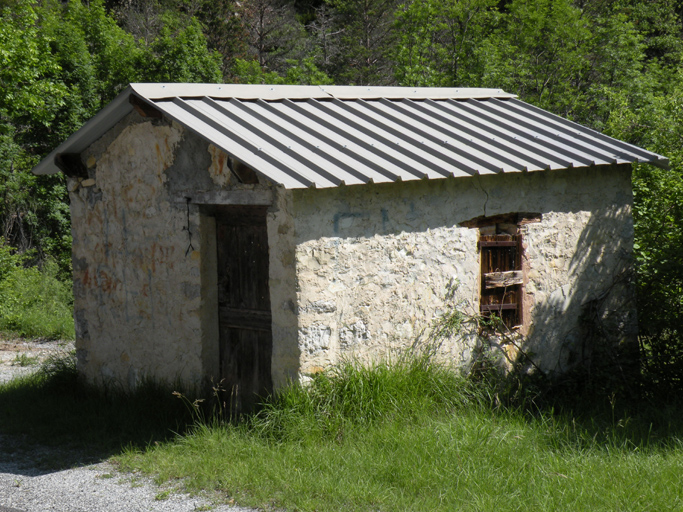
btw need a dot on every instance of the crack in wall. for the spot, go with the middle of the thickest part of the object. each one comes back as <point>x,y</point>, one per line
<point>478,182</point>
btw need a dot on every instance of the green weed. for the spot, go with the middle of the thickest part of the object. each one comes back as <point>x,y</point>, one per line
<point>24,360</point>
<point>163,495</point>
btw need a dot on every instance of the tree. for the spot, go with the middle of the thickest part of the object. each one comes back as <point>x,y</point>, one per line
<point>30,96</point>
<point>656,122</point>
<point>60,63</point>
<point>441,42</point>
<point>367,42</point>
<point>225,33</point>
<point>179,54</point>
<point>659,23</point>
<point>274,33</point>
<point>325,36</point>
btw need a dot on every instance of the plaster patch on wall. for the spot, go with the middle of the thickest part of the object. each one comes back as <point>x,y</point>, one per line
<point>353,335</point>
<point>320,306</point>
<point>315,338</point>
<point>219,170</point>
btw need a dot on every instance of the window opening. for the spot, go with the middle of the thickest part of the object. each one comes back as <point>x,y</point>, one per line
<point>501,276</point>
<point>502,259</point>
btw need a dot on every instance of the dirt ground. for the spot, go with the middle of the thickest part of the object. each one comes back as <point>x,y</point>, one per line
<point>18,357</point>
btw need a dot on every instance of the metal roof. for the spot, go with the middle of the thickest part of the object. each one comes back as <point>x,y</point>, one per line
<point>310,136</point>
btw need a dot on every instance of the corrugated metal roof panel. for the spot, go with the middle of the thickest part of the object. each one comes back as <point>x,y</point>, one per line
<point>309,136</point>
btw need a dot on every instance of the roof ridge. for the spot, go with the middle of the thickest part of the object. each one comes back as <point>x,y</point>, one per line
<point>159,91</point>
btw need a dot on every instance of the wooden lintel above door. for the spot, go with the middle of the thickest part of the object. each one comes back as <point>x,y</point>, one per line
<point>227,197</point>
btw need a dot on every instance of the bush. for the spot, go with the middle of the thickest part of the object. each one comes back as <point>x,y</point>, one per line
<point>34,303</point>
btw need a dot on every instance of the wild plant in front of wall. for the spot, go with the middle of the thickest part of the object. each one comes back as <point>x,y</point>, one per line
<point>497,359</point>
<point>452,321</point>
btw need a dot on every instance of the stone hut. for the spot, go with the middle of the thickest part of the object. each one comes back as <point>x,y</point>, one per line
<point>260,233</point>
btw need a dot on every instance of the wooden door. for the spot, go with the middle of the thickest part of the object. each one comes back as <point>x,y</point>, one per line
<point>243,306</point>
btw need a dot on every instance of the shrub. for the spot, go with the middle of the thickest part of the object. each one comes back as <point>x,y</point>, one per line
<point>33,301</point>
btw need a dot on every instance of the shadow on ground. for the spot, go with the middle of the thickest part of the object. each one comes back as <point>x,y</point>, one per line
<point>51,420</point>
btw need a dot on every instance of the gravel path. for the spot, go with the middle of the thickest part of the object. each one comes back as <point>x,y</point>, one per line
<point>98,487</point>
<point>20,357</point>
<point>24,487</point>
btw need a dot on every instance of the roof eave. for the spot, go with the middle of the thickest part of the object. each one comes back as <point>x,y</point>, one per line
<point>662,163</point>
<point>92,130</point>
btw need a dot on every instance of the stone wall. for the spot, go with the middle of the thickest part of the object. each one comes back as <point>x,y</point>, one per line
<point>374,262</point>
<point>137,281</point>
<point>358,271</point>
<point>144,258</point>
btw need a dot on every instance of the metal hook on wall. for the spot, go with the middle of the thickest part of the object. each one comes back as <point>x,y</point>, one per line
<point>189,233</point>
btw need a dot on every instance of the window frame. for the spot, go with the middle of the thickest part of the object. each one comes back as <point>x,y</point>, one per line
<point>500,233</point>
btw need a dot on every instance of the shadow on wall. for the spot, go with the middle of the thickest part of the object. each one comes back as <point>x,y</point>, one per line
<point>586,320</point>
<point>389,251</point>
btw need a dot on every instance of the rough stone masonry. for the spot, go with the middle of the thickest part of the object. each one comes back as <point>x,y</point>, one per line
<point>355,271</point>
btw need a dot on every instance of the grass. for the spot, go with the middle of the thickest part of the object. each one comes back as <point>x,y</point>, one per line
<point>407,435</point>
<point>472,462</point>
<point>416,436</point>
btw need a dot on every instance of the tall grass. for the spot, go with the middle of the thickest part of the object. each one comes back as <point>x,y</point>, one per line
<point>355,395</point>
<point>415,435</point>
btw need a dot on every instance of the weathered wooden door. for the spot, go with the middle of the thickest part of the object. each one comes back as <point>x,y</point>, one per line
<point>244,306</point>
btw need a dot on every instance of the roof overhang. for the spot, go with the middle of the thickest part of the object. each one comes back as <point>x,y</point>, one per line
<point>302,136</point>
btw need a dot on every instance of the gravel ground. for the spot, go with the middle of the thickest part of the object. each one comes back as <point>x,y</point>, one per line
<point>20,357</point>
<point>24,487</point>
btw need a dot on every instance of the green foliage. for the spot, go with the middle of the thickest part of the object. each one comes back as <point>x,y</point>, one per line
<point>540,52</point>
<point>30,96</point>
<point>659,23</point>
<point>60,63</point>
<point>34,302</point>
<point>179,54</point>
<point>27,85</point>
<point>303,73</point>
<point>657,124</point>
<point>441,42</point>
<point>250,72</point>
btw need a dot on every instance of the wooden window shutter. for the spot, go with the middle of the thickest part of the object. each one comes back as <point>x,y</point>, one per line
<point>501,275</point>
